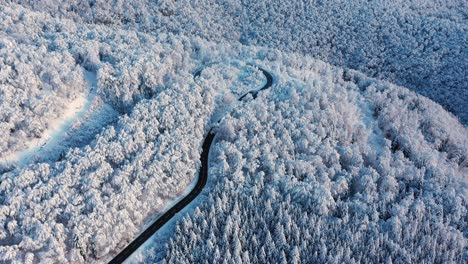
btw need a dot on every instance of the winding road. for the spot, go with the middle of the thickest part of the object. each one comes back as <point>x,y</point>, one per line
<point>201,182</point>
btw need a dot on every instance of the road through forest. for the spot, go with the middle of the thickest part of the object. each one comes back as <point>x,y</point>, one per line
<point>201,182</point>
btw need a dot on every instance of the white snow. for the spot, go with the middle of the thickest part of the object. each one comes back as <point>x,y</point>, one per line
<point>56,128</point>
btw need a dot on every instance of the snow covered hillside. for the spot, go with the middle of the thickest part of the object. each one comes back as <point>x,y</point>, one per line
<point>420,44</point>
<point>343,159</point>
<point>331,166</point>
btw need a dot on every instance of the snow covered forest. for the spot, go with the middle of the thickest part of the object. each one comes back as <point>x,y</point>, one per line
<point>337,175</point>
<point>36,86</point>
<point>357,153</point>
<point>420,44</point>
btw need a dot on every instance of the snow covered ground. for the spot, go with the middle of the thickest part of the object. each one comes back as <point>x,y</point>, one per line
<point>329,165</point>
<point>55,128</point>
<point>81,119</point>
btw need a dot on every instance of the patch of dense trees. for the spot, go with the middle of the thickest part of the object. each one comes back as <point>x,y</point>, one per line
<point>335,168</point>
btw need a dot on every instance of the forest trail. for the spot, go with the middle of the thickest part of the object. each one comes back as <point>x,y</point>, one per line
<point>201,182</point>
<point>53,136</point>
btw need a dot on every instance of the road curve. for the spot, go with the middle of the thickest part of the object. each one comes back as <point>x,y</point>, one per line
<point>201,182</point>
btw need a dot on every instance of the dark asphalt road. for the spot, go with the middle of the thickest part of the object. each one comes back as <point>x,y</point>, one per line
<point>202,178</point>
